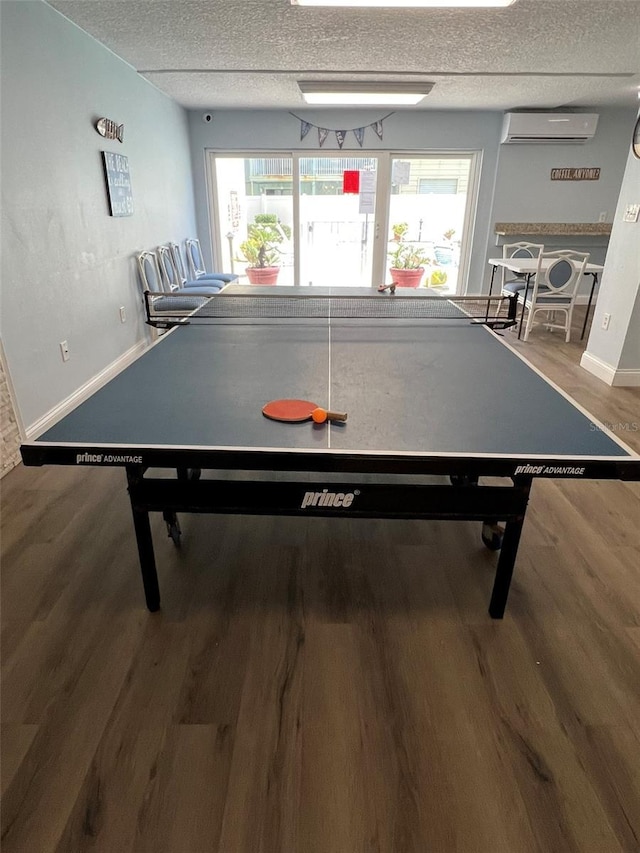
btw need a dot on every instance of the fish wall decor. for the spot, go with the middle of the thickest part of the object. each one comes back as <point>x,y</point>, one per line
<point>110,129</point>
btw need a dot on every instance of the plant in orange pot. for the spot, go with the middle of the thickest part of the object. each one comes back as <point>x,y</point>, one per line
<point>408,265</point>
<point>261,250</point>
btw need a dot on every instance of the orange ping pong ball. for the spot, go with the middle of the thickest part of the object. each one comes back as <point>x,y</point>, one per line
<point>319,415</point>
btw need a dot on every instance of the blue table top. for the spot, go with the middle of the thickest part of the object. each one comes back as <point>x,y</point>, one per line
<point>424,388</point>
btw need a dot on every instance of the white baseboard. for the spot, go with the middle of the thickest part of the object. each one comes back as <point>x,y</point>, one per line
<point>63,408</point>
<point>616,377</point>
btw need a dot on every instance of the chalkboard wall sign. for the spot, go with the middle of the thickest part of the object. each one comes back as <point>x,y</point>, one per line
<point>116,169</point>
<point>575,174</point>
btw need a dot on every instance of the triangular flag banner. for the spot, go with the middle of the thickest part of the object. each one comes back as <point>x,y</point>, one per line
<point>305,127</point>
<point>341,135</point>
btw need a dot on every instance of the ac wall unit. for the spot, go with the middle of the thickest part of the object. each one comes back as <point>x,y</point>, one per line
<point>549,128</point>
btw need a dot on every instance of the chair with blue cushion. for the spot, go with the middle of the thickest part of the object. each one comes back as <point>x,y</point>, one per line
<point>196,264</point>
<point>179,267</point>
<point>555,287</point>
<point>161,299</point>
<point>172,280</point>
<point>514,282</point>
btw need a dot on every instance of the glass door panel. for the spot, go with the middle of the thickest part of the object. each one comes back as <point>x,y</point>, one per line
<point>336,229</point>
<point>254,215</point>
<point>428,208</point>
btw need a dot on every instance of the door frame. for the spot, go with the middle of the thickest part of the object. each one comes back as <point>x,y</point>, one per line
<point>383,198</point>
<point>471,205</point>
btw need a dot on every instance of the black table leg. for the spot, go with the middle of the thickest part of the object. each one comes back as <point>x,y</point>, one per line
<point>524,302</point>
<point>493,274</point>
<point>504,571</point>
<point>145,545</point>
<point>586,316</point>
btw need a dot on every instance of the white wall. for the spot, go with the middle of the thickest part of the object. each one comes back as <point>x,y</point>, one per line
<point>614,354</point>
<point>67,265</point>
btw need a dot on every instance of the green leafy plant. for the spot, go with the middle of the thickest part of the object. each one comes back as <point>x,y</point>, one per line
<point>408,257</point>
<point>261,248</point>
<point>271,220</point>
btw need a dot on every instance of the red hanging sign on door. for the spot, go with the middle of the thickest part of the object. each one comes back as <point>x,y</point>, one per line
<point>351,181</point>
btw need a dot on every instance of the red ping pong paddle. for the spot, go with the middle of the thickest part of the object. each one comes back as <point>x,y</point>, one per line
<point>294,411</point>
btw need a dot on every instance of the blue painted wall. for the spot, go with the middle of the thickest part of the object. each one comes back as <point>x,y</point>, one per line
<point>67,265</point>
<point>515,183</point>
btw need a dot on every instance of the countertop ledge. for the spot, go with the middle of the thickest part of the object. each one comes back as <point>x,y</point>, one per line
<point>570,228</point>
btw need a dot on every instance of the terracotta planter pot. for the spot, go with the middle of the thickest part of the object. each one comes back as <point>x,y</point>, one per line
<point>407,278</point>
<point>263,275</point>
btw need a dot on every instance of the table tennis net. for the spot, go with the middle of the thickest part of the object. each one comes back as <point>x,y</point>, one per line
<point>173,309</point>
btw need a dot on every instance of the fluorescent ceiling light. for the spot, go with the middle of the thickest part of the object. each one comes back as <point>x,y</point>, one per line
<point>398,4</point>
<point>352,93</point>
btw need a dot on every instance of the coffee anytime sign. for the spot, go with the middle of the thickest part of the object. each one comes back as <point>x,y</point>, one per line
<point>577,174</point>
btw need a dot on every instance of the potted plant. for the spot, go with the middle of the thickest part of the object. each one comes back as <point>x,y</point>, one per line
<point>399,231</point>
<point>438,279</point>
<point>407,265</point>
<point>261,248</point>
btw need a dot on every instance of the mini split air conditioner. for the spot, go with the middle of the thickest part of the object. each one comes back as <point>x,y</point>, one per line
<point>549,128</point>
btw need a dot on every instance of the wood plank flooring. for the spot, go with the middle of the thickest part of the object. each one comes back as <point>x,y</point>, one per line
<point>323,686</point>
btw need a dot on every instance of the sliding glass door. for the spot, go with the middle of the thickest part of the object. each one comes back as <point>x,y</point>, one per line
<point>289,212</point>
<point>254,216</point>
<point>429,208</point>
<point>337,229</point>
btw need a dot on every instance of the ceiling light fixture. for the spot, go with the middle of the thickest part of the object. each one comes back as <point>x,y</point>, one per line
<point>351,93</point>
<point>392,4</point>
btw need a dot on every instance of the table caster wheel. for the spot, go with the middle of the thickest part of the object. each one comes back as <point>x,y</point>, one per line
<point>492,535</point>
<point>175,533</point>
<point>173,527</point>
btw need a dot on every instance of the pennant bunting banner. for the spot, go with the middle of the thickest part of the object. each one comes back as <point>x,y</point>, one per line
<point>340,135</point>
<point>305,127</point>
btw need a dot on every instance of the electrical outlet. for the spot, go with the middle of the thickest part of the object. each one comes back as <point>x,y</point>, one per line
<point>606,319</point>
<point>603,216</point>
<point>64,350</point>
<point>123,314</point>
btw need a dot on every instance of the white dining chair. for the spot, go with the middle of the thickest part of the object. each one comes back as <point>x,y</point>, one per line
<point>172,280</point>
<point>196,264</point>
<point>554,289</point>
<point>514,282</point>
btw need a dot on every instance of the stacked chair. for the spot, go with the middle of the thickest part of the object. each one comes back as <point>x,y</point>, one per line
<point>197,271</point>
<point>164,272</point>
<point>173,281</point>
<point>155,285</point>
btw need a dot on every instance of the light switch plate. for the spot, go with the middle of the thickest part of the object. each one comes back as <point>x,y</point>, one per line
<point>631,213</point>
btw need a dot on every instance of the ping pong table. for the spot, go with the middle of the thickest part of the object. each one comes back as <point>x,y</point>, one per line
<point>433,395</point>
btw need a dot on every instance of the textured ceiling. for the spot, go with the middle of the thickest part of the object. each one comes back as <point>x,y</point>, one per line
<point>249,53</point>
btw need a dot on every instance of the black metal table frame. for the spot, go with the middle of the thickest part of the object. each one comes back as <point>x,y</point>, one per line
<point>465,499</point>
